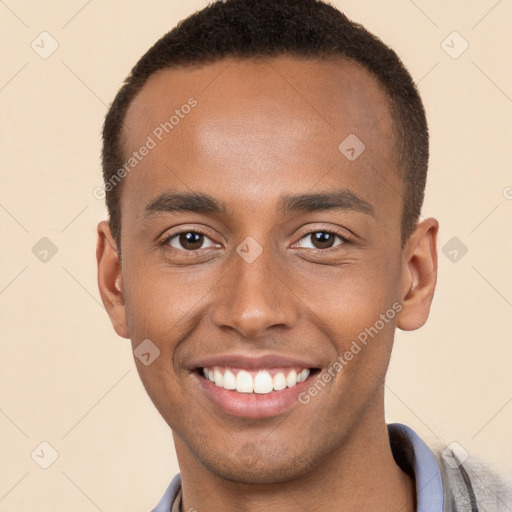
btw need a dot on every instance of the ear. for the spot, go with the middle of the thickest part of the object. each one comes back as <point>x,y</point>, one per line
<point>419,275</point>
<point>110,280</point>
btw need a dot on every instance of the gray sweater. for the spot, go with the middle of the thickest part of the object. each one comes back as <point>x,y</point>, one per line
<point>473,487</point>
<point>468,484</point>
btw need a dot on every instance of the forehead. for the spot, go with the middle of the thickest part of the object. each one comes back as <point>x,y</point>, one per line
<point>336,92</point>
<point>264,121</point>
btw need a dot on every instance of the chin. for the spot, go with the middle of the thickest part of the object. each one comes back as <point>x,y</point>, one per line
<point>250,465</point>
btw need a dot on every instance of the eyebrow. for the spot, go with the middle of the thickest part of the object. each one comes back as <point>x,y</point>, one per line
<point>339,199</point>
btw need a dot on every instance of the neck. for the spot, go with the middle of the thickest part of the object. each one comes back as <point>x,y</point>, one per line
<point>360,475</point>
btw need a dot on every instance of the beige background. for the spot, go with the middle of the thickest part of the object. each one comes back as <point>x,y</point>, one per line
<point>67,379</point>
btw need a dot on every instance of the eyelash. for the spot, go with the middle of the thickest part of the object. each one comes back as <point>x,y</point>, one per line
<point>344,238</point>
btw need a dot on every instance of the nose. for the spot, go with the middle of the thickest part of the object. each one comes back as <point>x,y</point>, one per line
<point>255,296</point>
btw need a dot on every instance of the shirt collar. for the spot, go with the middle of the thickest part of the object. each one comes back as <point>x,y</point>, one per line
<point>414,457</point>
<point>164,505</point>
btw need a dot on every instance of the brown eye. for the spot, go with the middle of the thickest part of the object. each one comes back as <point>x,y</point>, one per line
<point>188,240</point>
<point>321,240</point>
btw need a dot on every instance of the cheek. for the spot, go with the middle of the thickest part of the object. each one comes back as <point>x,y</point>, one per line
<point>163,304</point>
<point>353,297</point>
<point>357,312</point>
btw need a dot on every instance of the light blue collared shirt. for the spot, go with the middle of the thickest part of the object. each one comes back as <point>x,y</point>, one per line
<point>429,485</point>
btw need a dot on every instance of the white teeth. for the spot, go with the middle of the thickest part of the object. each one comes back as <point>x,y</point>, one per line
<point>244,382</point>
<point>218,376</point>
<point>229,380</point>
<point>291,379</point>
<point>262,383</point>
<point>303,375</point>
<point>279,381</point>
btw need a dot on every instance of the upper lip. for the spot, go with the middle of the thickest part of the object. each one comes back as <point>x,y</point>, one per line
<point>253,363</point>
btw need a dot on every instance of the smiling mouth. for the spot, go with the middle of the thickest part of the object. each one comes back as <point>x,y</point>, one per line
<point>261,381</point>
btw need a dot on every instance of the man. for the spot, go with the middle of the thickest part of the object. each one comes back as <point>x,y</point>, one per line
<point>265,165</point>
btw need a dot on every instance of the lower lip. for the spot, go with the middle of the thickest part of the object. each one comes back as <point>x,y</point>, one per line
<point>253,405</point>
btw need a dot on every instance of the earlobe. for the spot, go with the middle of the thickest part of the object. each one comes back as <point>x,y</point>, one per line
<point>110,279</point>
<point>419,275</point>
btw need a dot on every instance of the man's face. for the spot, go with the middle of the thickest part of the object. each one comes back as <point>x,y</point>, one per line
<point>261,133</point>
